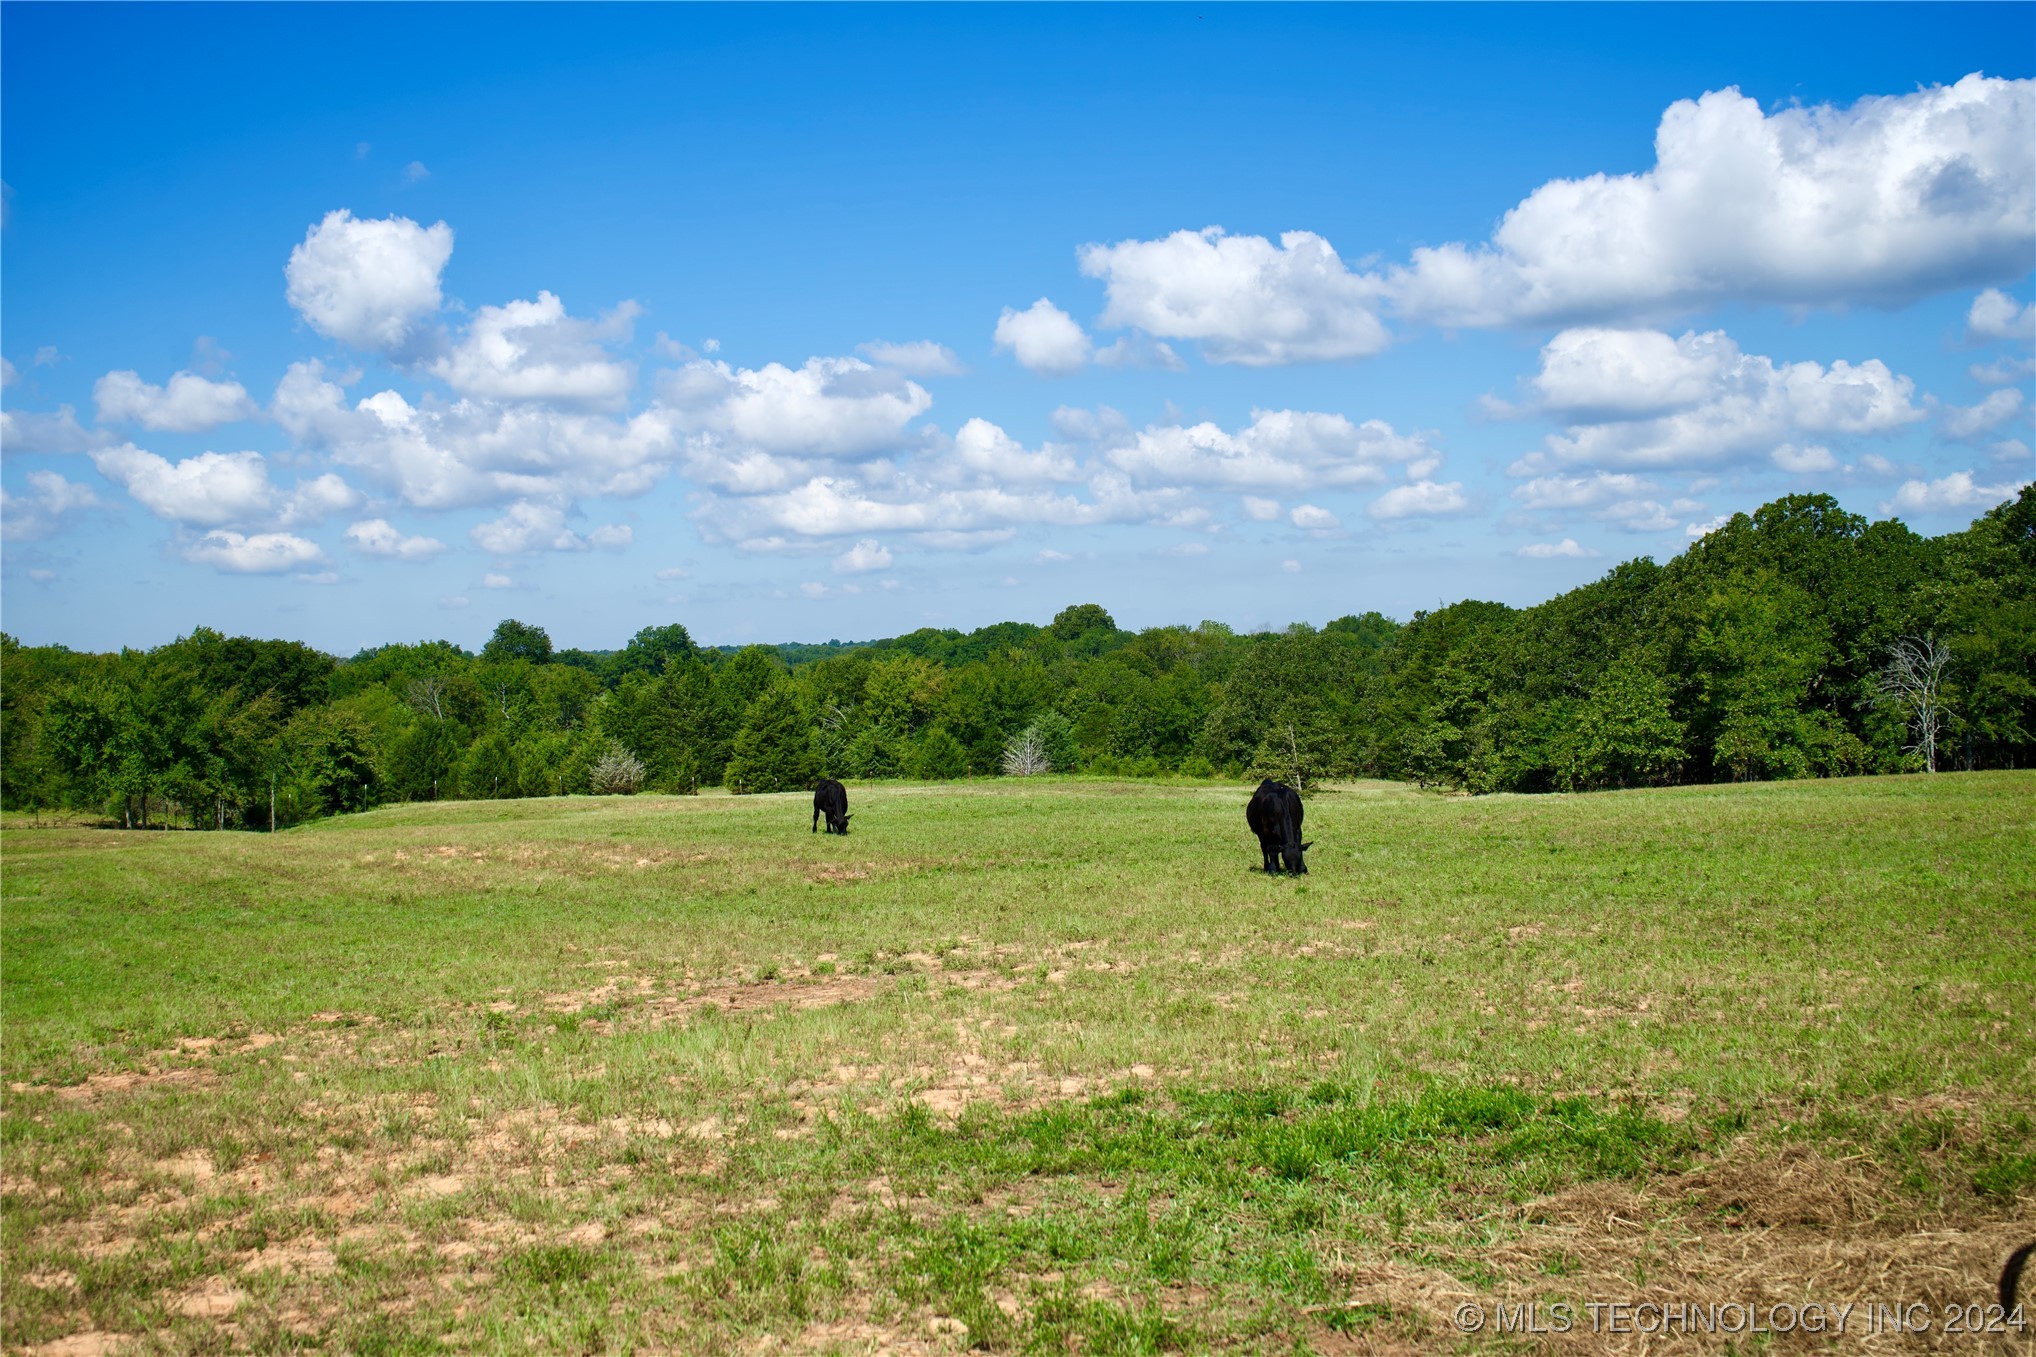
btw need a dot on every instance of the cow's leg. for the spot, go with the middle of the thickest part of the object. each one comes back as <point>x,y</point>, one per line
<point>816,820</point>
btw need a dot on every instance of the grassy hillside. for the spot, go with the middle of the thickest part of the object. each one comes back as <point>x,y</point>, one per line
<point>1028,1065</point>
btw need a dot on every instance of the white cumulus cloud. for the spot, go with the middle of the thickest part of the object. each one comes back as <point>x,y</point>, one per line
<point>1296,450</point>
<point>1809,458</point>
<point>477,452</point>
<point>188,403</point>
<point>1958,491</point>
<point>372,284</point>
<point>940,516</point>
<point>1889,199</point>
<point>1314,518</point>
<point>530,527</point>
<point>1242,299</point>
<point>534,351</point>
<point>215,489</point>
<point>1618,498</point>
<point>984,452</point>
<point>2003,370</point>
<point>866,555</point>
<point>35,431</point>
<point>1967,422</point>
<point>1580,492</point>
<point>1639,399</point>
<point>1044,338</point>
<point>1421,499</point>
<point>264,553</point>
<point>379,537</point>
<point>1996,315</point>
<point>1546,551</point>
<point>40,512</point>
<point>826,408</point>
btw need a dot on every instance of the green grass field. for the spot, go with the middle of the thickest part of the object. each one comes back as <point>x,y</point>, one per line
<point>1018,1066</point>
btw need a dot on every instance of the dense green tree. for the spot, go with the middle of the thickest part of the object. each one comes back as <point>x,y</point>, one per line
<point>422,759</point>
<point>329,758</point>
<point>515,640</point>
<point>651,649</point>
<point>1080,620</point>
<point>487,771</point>
<point>1624,734</point>
<point>937,756</point>
<point>746,676</point>
<point>774,749</point>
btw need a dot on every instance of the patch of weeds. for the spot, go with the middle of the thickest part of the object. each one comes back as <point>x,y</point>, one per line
<point>1066,1321</point>
<point>1346,1318</point>
<point>566,1022</point>
<point>769,972</point>
<point>2006,1177</point>
<point>823,968</point>
<point>551,1267</point>
<point>378,1336</point>
<point>952,1268</point>
<point>759,1274</point>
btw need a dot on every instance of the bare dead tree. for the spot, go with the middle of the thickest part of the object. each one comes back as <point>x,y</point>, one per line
<point>1912,683</point>
<point>427,694</point>
<point>1027,755</point>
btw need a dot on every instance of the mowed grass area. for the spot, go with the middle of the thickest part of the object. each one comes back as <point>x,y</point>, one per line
<point>1017,1066</point>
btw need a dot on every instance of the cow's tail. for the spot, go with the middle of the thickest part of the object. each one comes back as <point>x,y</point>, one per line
<point>2011,1274</point>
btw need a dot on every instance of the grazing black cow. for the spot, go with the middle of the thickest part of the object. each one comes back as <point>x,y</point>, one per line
<point>1275,816</point>
<point>830,798</point>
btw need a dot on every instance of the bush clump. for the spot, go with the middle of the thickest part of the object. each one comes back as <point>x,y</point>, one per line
<point>616,773</point>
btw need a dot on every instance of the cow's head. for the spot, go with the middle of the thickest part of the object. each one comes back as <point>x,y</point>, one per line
<point>839,823</point>
<point>1290,858</point>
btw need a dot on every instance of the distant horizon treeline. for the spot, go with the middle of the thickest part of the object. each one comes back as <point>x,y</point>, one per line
<point>1797,641</point>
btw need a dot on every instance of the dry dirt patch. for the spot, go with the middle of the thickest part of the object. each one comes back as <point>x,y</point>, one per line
<point>97,1087</point>
<point>648,1007</point>
<point>91,1343</point>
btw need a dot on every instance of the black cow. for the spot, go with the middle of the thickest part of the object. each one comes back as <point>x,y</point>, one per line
<point>1275,816</point>
<point>830,798</point>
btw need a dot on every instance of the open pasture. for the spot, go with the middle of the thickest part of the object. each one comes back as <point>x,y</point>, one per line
<point>1022,1066</point>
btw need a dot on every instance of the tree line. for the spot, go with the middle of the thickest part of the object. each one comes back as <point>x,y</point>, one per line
<point>1797,641</point>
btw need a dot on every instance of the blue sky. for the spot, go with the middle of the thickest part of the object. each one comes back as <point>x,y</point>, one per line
<point>358,324</point>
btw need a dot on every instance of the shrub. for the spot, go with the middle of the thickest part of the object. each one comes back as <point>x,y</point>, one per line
<point>616,773</point>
